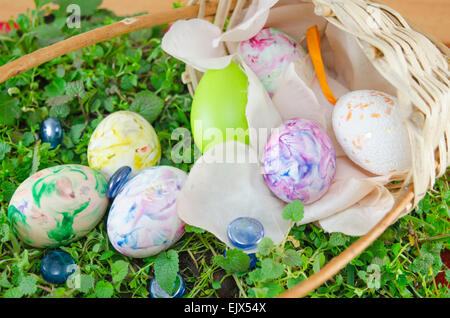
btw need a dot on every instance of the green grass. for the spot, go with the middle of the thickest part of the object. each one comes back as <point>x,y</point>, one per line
<point>125,73</point>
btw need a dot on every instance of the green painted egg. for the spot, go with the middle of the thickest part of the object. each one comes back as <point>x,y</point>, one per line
<point>219,105</point>
<point>58,205</point>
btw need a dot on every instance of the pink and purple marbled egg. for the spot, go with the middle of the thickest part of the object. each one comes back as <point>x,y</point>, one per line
<point>299,161</point>
<point>268,54</point>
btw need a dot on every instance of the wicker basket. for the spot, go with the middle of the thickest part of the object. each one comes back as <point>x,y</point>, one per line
<point>422,81</point>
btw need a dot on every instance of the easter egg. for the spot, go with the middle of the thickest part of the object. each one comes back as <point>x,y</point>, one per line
<point>51,131</point>
<point>268,54</point>
<point>143,220</point>
<point>369,127</point>
<point>219,104</point>
<point>123,138</point>
<point>299,161</point>
<point>58,205</point>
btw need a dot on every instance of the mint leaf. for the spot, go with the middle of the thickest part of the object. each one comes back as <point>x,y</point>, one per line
<point>9,110</point>
<point>60,111</point>
<point>265,246</point>
<point>86,283</point>
<point>58,100</point>
<point>14,292</point>
<point>338,239</point>
<point>292,258</point>
<point>293,211</point>
<point>273,289</point>
<point>57,87</point>
<point>236,261</point>
<point>27,138</point>
<point>8,189</point>
<point>148,105</point>
<point>76,89</point>
<point>270,269</point>
<point>4,280</point>
<point>119,270</point>
<point>76,131</point>
<point>193,229</point>
<point>104,289</point>
<point>4,149</point>
<point>28,285</point>
<point>166,270</point>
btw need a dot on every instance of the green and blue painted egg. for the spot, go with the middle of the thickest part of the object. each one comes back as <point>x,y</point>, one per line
<point>58,205</point>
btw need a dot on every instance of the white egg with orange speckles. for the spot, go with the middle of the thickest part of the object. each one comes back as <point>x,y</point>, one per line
<point>369,127</point>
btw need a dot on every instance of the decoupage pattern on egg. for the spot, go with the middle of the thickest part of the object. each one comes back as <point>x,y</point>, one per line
<point>123,138</point>
<point>299,161</point>
<point>58,205</point>
<point>143,219</point>
<point>369,127</point>
<point>268,54</point>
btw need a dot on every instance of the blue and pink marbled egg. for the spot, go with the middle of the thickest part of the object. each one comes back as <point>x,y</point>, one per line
<point>299,161</point>
<point>143,219</point>
<point>268,54</point>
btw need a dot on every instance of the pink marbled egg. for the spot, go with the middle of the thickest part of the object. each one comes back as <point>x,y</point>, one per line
<point>299,161</point>
<point>268,54</point>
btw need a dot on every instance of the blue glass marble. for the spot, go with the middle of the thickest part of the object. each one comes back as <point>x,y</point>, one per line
<point>51,131</point>
<point>57,266</point>
<point>245,232</point>
<point>117,181</point>
<point>252,256</point>
<point>157,292</point>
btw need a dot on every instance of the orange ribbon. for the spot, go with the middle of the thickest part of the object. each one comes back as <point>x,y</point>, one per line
<point>313,38</point>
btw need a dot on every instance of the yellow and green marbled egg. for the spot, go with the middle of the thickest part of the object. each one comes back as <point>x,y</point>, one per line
<point>123,138</point>
<point>58,205</point>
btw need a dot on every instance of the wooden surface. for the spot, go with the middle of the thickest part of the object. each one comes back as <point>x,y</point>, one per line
<point>430,15</point>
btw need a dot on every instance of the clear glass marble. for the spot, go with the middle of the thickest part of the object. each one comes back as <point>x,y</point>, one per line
<point>245,232</point>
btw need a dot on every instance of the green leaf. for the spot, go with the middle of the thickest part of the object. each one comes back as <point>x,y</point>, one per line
<point>57,87</point>
<point>9,110</point>
<point>87,7</point>
<point>119,270</point>
<point>338,239</point>
<point>292,258</point>
<point>166,270</point>
<point>236,261</point>
<point>28,285</point>
<point>27,138</point>
<point>293,211</point>
<point>8,189</point>
<point>294,281</point>
<point>271,269</point>
<point>265,246</point>
<point>86,283</point>
<point>60,111</point>
<point>193,229</point>
<point>14,292</point>
<point>58,100</point>
<point>104,289</point>
<point>148,105</point>
<point>76,131</point>
<point>4,280</point>
<point>76,89</point>
<point>4,149</point>
<point>273,289</point>
<point>319,261</point>
<point>216,285</point>
<point>47,34</point>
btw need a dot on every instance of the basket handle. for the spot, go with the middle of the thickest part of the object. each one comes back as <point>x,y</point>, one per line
<point>336,264</point>
<point>101,34</point>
